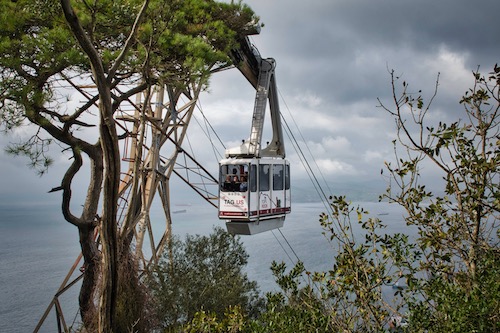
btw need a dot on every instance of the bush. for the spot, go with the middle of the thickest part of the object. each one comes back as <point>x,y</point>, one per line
<point>203,273</point>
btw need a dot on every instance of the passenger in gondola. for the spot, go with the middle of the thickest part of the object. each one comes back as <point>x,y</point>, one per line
<point>227,186</point>
<point>235,184</point>
<point>243,184</point>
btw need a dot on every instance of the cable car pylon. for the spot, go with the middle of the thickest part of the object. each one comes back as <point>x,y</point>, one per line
<point>152,129</point>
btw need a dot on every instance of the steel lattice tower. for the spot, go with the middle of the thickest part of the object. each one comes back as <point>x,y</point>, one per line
<point>152,129</point>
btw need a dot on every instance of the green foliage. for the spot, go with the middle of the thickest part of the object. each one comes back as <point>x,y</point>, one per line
<point>349,296</point>
<point>177,43</point>
<point>185,39</point>
<point>455,306</point>
<point>451,282</point>
<point>203,273</point>
<point>233,321</point>
<point>35,149</point>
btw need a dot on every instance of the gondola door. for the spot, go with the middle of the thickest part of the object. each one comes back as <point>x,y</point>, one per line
<point>265,204</point>
<point>278,189</point>
<point>233,193</point>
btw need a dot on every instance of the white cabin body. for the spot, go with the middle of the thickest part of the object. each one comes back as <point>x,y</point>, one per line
<point>254,194</point>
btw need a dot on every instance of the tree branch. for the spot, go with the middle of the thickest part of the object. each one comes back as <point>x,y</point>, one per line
<point>129,41</point>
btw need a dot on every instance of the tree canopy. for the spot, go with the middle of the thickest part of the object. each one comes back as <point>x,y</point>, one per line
<point>106,51</point>
<point>203,273</point>
<point>175,42</point>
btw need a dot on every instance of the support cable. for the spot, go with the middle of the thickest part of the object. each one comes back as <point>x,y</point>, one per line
<point>289,245</point>
<point>283,248</point>
<point>305,142</point>
<point>306,164</point>
<point>202,179</point>
<point>314,283</point>
<point>312,176</point>
<point>209,128</point>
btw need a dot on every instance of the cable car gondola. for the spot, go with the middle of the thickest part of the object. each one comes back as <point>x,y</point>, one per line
<point>254,194</point>
<point>254,191</point>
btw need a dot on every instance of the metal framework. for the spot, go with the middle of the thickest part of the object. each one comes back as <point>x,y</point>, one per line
<point>153,151</point>
<point>153,129</point>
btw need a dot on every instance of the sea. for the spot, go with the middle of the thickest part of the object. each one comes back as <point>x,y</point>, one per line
<point>38,248</point>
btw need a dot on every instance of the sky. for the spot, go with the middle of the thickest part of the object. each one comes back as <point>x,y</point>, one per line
<point>333,61</point>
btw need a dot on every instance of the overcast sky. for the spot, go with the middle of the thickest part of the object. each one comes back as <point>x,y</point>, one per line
<point>332,59</point>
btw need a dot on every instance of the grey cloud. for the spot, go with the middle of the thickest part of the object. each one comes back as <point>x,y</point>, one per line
<point>338,52</point>
<point>317,41</point>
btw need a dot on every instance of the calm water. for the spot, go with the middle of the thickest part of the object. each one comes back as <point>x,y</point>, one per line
<point>37,249</point>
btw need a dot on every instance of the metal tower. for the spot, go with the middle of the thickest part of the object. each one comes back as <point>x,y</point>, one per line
<point>152,129</point>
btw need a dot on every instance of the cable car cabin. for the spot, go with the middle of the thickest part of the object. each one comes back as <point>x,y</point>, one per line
<point>254,194</point>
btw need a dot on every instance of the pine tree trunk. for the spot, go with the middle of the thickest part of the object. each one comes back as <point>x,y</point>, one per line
<point>91,269</point>
<point>109,239</point>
